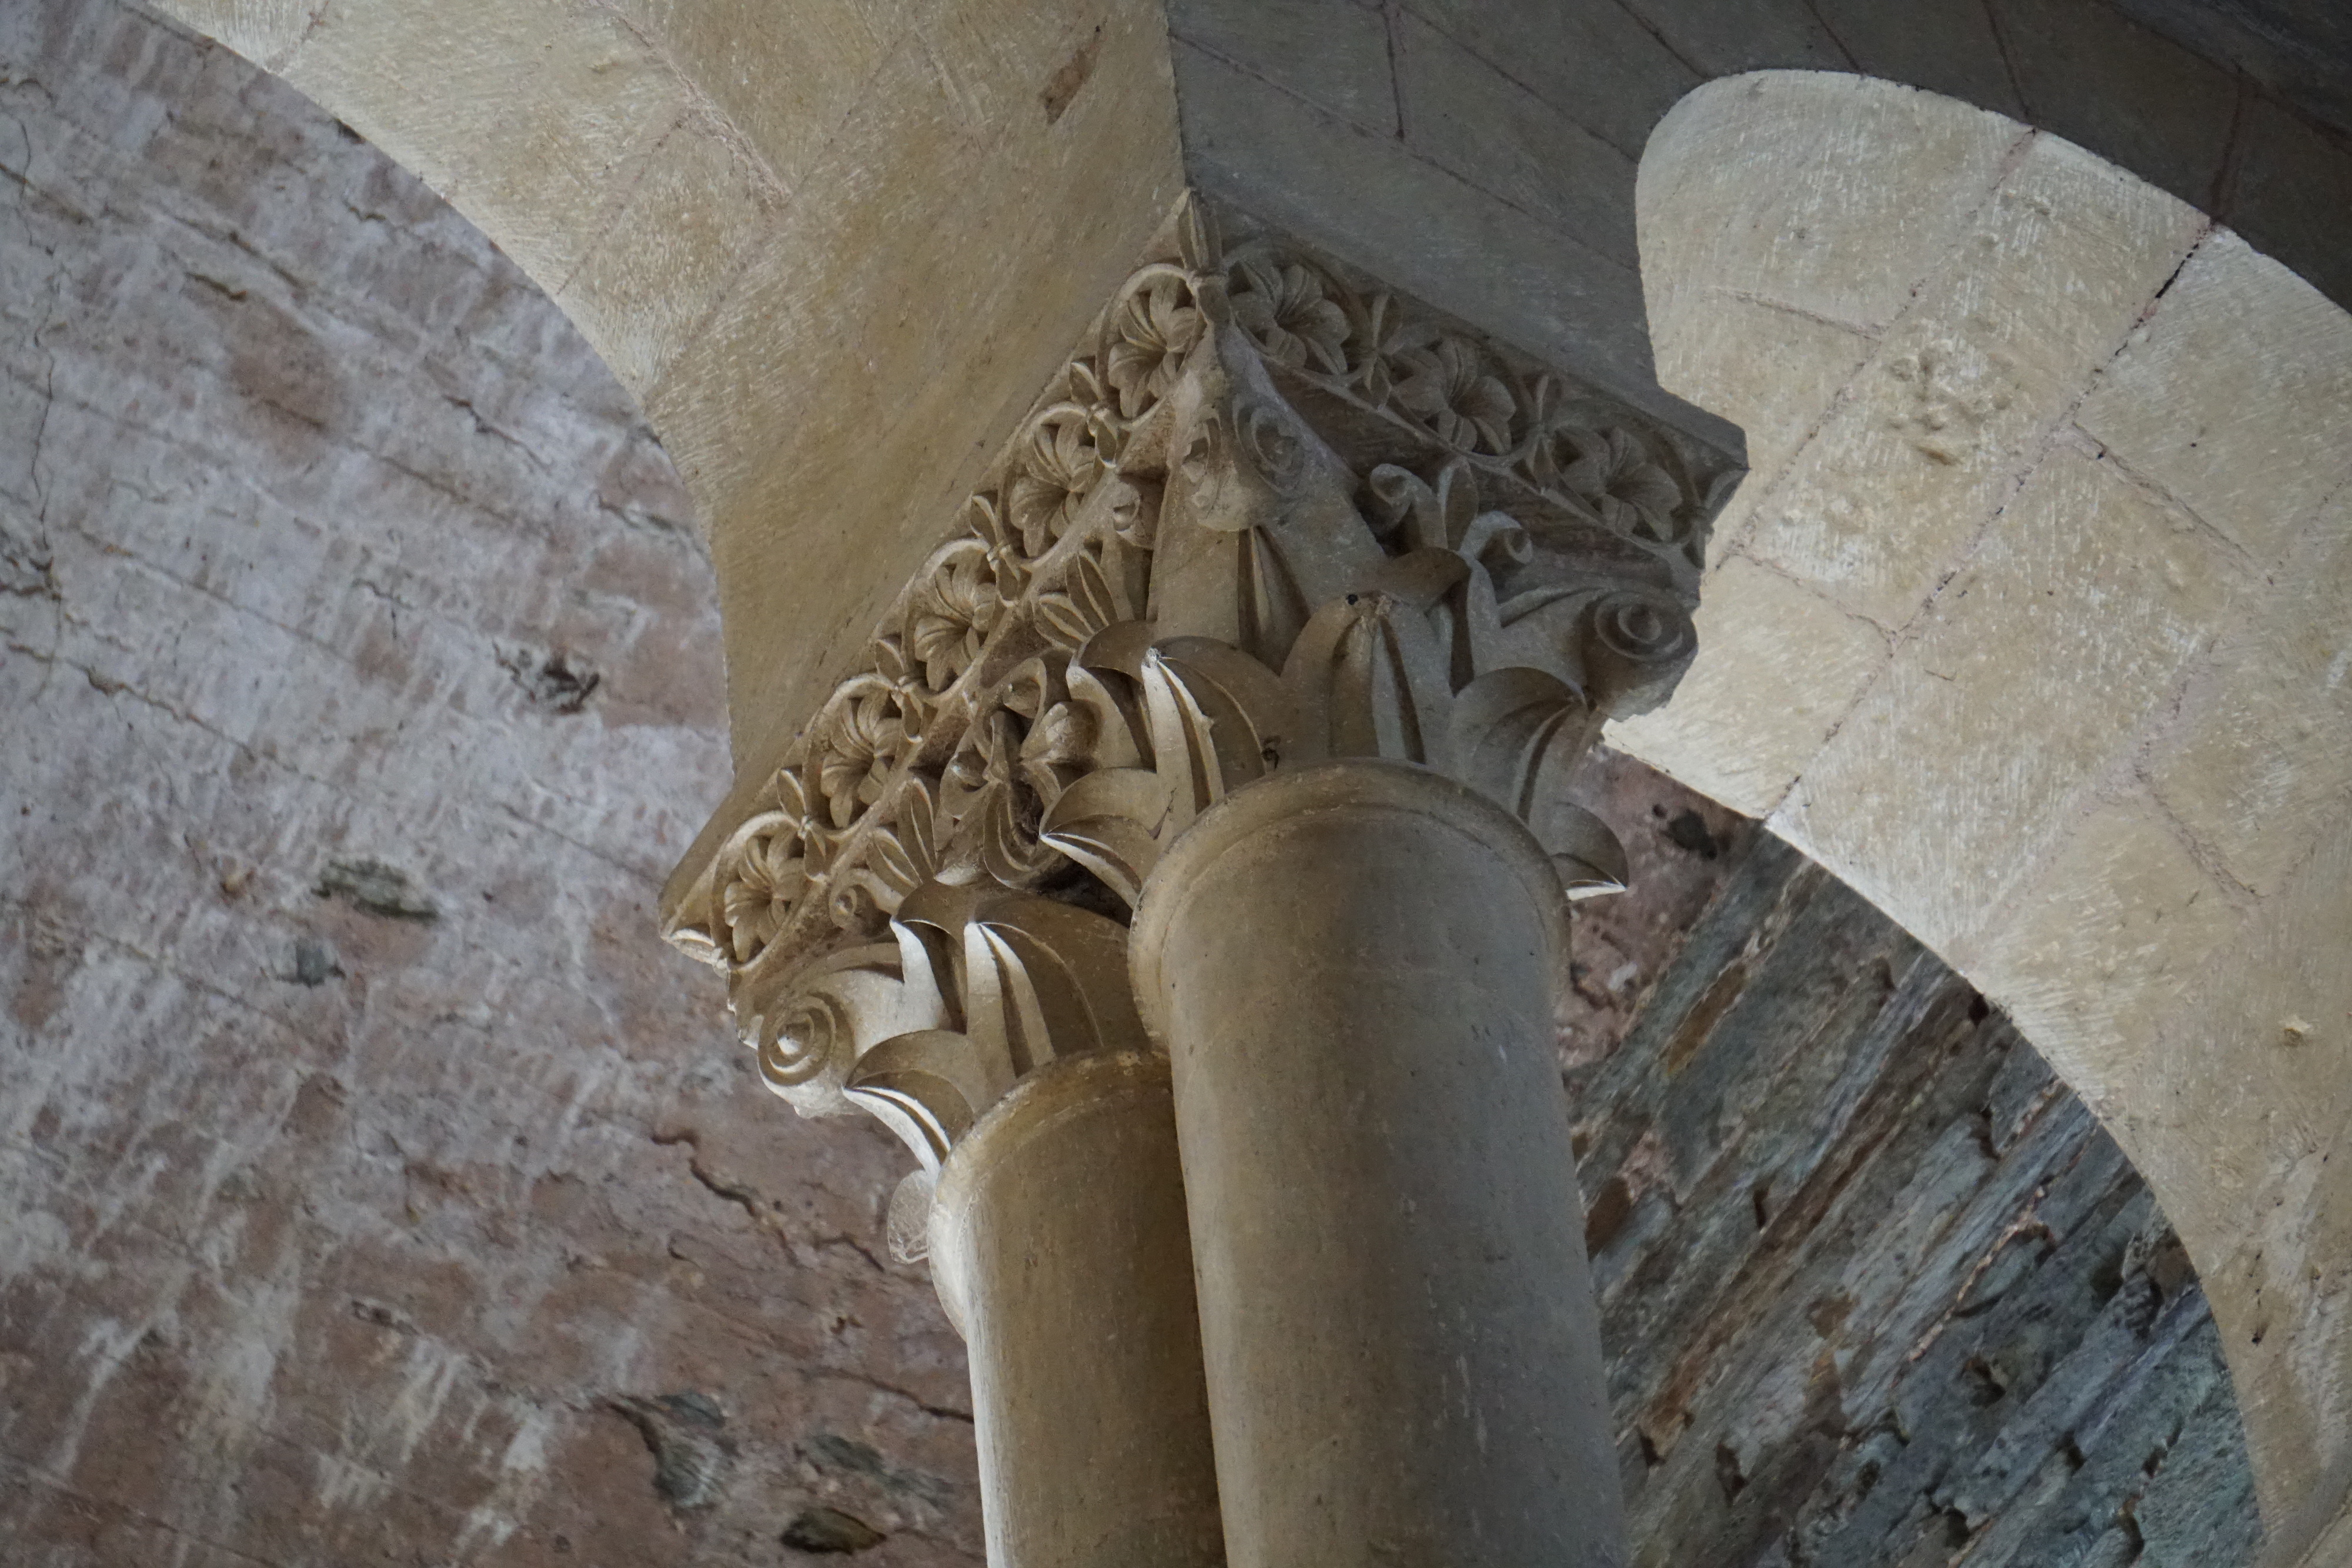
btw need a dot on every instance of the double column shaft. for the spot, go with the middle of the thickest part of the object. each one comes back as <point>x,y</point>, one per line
<point>1353,969</point>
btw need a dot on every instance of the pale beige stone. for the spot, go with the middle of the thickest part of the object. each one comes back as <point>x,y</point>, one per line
<point>536,109</point>
<point>1779,667</point>
<point>2241,1112</point>
<point>2102,949</point>
<point>1776,372</point>
<point>2257,765</point>
<point>736,56</point>
<point>2235,395</point>
<point>1353,966</point>
<point>1059,1242</point>
<point>675,242</point>
<point>1773,371</point>
<point>264,31</point>
<point>1830,194</point>
<point>2079,609</point>
<point>1930,438</point>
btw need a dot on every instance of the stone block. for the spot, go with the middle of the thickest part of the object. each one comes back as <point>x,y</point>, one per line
<point>1333,52</point>
<point>1418,227</point>
<point>263,31</point>
<point>2292,47</point>
<point>1831,196</point>
<point>2101,950</point>
<point>2103,81</point>
<point>1596,64</point>
<point>961,268</point>
<point>680,236</point>
<point>2258,764</point>
<point>531,154</point>
<point>1464,116</point>
<point>2238,1100</point>
<point>1777,667</point>
<point>1772,372</point>
<point>1722,38</point>
<point>2031,675</point>
<point>1963,392</point>
<point>2235,396</point>
<point>1943,46</point>
<point>2291,195</point>
<point>730,55</point>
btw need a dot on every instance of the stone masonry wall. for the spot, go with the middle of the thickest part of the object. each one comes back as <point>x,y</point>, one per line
<point>372,1188</point>
<point>1877,1289</point>
<point>376,1188</point>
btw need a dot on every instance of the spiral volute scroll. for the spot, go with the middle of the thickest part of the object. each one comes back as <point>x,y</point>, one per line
<point>1273,512</point>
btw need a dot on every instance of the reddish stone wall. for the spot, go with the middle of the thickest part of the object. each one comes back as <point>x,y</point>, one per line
<point>334,1235</point>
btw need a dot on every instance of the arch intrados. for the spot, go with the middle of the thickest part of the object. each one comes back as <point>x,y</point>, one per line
<point>2031,623</point>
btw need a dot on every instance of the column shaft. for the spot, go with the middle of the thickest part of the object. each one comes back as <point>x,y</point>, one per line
<point>1354,966</point>
<point>1059,1244</point>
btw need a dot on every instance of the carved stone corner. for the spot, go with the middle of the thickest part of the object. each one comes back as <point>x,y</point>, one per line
<point>1271,512</point>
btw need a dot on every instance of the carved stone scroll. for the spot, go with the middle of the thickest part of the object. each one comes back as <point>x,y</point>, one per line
<point>1271,513</point>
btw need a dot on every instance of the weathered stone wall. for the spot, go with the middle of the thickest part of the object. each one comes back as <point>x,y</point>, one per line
<point>332,1233</point>
<point>1878,1291</point>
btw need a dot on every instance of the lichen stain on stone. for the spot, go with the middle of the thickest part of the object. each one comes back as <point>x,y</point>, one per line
<point>683,1433</point>
<point>829,1450</point>
<point>377,888</point>
<point>554,681</point>
<point>826,1531</point>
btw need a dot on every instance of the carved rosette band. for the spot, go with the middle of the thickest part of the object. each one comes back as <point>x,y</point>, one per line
<point>1270,514</point>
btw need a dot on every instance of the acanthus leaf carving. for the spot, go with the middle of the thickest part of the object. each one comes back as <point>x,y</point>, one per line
<point>1272,514</point>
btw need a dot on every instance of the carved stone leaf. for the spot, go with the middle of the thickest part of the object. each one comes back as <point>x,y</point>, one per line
<point>1109,823</point>
<point>1513,729</point>
<point>1588,855</point>
<point>1368,679</point>
<point>1088,602</point>
<point>1119,738</point>
<point>923,1086</point>
<point>1218,719</point>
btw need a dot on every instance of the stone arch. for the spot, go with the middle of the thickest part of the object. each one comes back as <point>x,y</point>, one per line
<point>782,224</point>
<point>2032,623</point>
<point>784,240</point>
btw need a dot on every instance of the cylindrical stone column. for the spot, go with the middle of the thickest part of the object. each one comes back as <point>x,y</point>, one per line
<point>1354,967</point>
<point>1059,1246</point>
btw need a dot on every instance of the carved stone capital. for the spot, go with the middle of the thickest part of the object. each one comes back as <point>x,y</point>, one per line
<point>1272,513</point>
